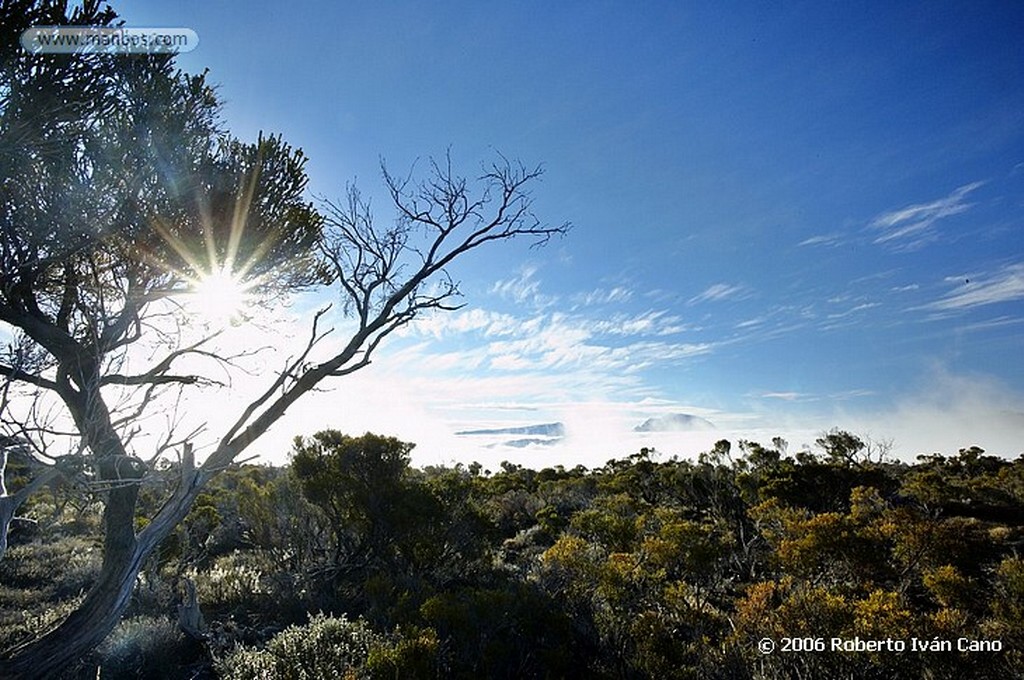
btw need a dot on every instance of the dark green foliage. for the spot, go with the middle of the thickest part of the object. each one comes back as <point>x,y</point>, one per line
<point>359,483</point>
<point>508,632</point>
<point>412,654</point>
<point>970,484</point>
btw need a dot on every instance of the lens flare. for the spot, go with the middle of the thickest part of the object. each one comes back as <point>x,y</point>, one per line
<point>219,298</point>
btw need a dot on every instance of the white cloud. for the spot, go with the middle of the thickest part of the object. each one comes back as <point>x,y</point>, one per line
<point>602,296</point>
<point>791,396</point>
<point>1003,286</point>
<point>910,227</point>
<point>650,322</point>
<point>852,394</point>
<point>562,342</point>
<point>853,310</point>
<point>950,411</point>
<point>822,240</point>
<point>785,396</point>
<point>498,406</point>
<point>523,288</point>
<point>444,324</point>
<point>721,291</point>
<point>998,322</point>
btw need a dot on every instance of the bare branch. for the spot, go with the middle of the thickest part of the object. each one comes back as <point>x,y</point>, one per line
<point>19,375</point>
<point>157,380</point>
<point>368,268</point>
<point>157,374</point>
<point>289,372</point>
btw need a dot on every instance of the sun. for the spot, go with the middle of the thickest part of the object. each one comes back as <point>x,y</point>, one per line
<point>219,298</point>
<point>218,274</point>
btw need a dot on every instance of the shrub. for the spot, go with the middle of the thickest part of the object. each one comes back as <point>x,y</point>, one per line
<point>145,646</point>
<point>237,580</point>
<point>74,559</point>
<point>326,647</point>
<point>507,632</point>
<point>412,656</point>
<point>41,584</point>
<point>19,625</point>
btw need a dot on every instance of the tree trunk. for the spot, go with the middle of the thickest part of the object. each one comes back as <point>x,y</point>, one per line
<point>190,616</point>
<point>85,628</point>
<point>108,598</point>
<point>10,504</point>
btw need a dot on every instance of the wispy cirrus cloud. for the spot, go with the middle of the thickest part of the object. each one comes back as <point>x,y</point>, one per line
<point>910,228</point>
<point>998,322</point>
<point>603,296</point>
<point>784,396</point>
<point>523,288</point>
<point>490,324</point>
<point>561,342</point>
<point>573,344</point>
<point>651,322</point>
<point>790,396</point>
<point>832,239</point>
<point>1003,286</point>
<point>751,323</point>
<point>853,310</point>
<point>721,291</point>
<point>484,321</point>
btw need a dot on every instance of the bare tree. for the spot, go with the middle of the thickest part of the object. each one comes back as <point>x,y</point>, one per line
<point>119,192</point>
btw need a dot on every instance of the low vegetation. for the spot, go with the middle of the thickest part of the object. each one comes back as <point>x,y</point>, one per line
<point>350,563</point>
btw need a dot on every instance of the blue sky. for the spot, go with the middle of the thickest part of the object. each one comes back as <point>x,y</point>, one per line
<point>787,217</point>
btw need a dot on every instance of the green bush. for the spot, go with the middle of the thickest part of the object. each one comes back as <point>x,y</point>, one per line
<point>41,583</point>
<point>412,656</point>
<point>326,647</point>
<point>237,580</point>
<point>18,625</point>
<point>512,631</point>
<point>145,647</point>
<point>73,560</point>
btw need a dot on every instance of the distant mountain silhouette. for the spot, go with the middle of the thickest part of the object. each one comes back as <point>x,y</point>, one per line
<point>545,430</point>
<point>523,443</point>
<point>675,422</point>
